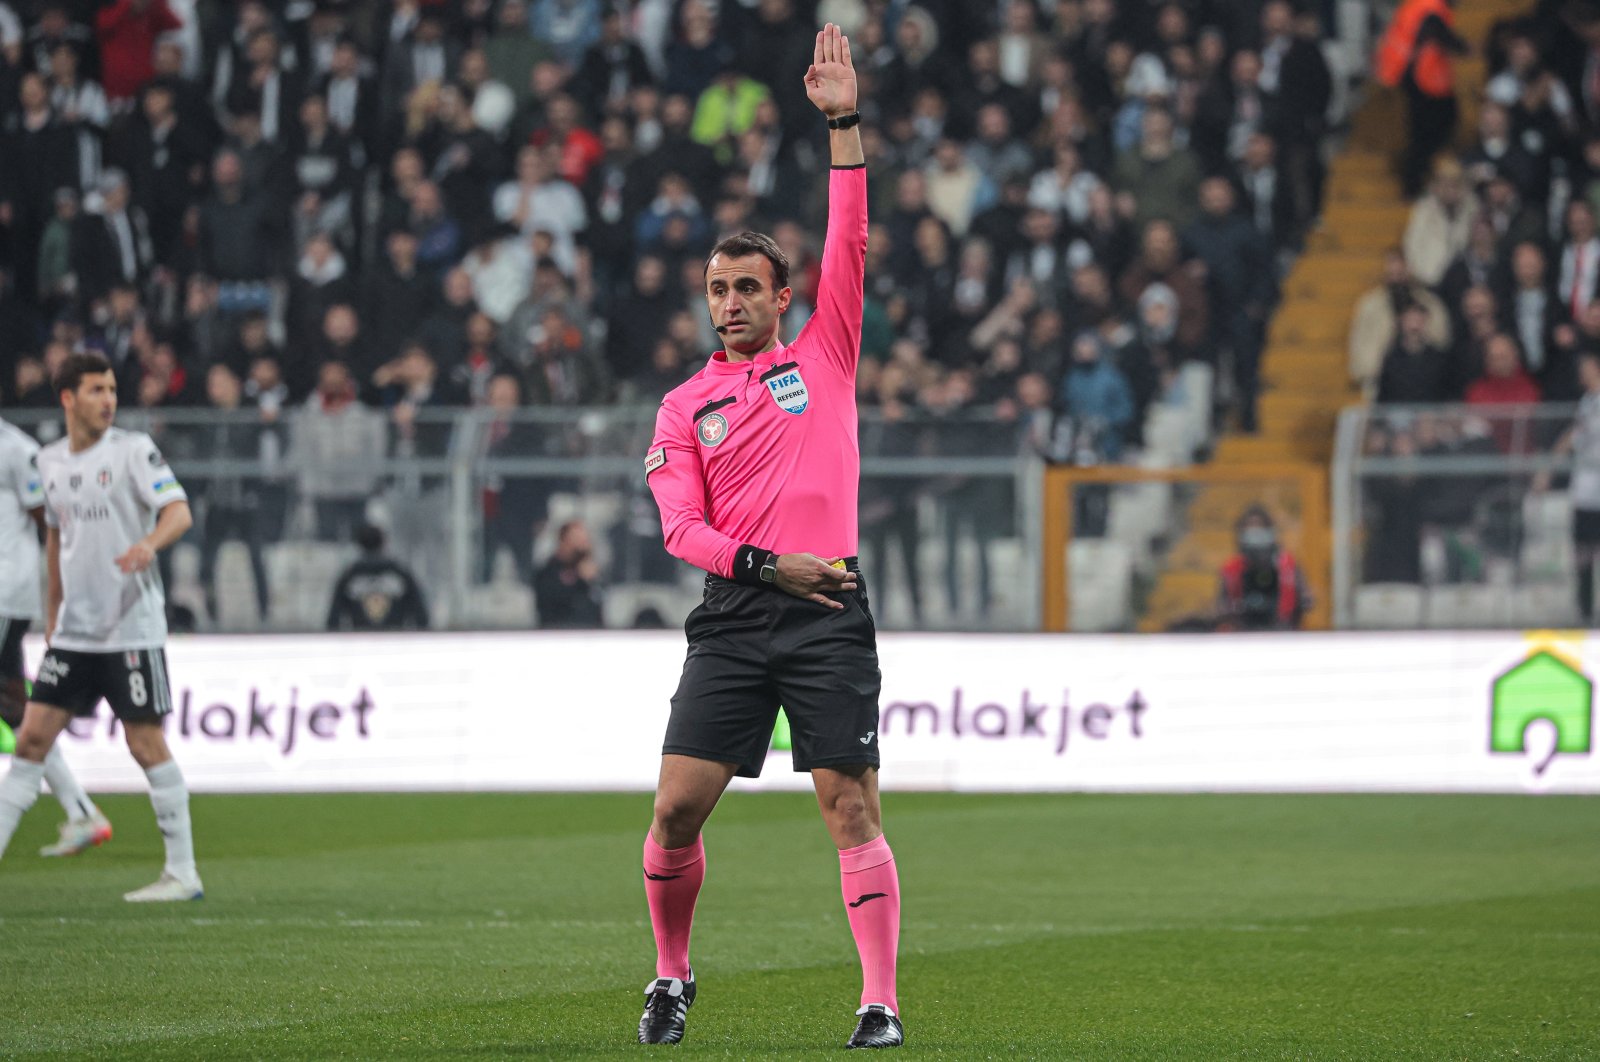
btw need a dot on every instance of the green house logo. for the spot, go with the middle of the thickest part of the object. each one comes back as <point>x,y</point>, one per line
<point>1544,686</point>
<point>781,741</point>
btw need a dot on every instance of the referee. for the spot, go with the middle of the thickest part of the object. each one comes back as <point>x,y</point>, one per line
<point>755,467</point>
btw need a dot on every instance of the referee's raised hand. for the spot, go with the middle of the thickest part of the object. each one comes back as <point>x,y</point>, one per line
<point>831,79</point>
<point>808,576</point>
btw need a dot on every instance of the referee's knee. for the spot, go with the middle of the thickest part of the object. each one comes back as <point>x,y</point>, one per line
<point>677,821</point>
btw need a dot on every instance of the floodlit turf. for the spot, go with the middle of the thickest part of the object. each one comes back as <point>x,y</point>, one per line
<point>1118,927</point>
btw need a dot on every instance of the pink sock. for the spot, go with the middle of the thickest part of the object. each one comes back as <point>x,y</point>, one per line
<point>672,879</point>
<point>872,902</point>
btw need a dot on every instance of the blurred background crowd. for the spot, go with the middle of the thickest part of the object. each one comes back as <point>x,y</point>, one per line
<point>398,203</point>
<point>348,219</point>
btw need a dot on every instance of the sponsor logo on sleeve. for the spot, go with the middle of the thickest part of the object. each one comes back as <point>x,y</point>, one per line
<point>166,483</point>
<point>655,459</point>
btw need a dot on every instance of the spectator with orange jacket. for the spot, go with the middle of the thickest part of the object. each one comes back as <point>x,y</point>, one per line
<point>1414,56</point>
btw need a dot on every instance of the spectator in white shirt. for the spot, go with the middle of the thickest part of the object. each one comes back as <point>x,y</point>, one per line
<point>538,199</point>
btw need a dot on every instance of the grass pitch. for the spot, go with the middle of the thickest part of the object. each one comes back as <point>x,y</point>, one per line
<point>1051,927</point>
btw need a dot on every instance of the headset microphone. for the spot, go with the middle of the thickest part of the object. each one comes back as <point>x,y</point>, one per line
<point>722,329</point>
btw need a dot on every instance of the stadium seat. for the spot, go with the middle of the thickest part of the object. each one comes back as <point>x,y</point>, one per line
<point>235,589</point>
<point>1547,515</point>
<point>1546,560</point>
<point>1198,380</point>
<point>1139,512</point>
<point>1101,572</point>
<point>303,575</point>
<point>625,601</point>
<point>1548,605</point>
<point>499,605</point>
<point>1009,572</point>
<point>1388,606</point>
<point>1168,436</point>
<point>1466,605</point>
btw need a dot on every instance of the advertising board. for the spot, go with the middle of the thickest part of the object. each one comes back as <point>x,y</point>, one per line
<point>1424,712</point>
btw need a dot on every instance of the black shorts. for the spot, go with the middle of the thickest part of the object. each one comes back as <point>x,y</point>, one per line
<point>753,650</point>
<point>11,632</point>
<point>1586,527</point>
<point>132,681</point>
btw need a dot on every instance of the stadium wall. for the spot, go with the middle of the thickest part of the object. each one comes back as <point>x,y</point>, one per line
<point>1422,712</point>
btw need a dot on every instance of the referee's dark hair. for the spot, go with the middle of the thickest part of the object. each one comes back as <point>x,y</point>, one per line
<point>748,243</point>
<point>76,367</point>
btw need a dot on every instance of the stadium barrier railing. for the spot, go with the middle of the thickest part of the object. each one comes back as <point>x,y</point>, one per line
<point>1451,516</point>
<point>949,512</point>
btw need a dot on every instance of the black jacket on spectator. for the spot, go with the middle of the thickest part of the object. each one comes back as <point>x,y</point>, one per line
<point>565,598</point>
<point>1238,261</point>
<point>377,594</point>
<point>675,154</point>
<point>1410,378</point>
<point>160,167</point>
<point>97,255</point>
<point>636,321</point>
<point>394,307</point>
<point>1268,200</point>
<point>606,68</point>
<point>1297,111</point>
<point>35,162</point>
<point>364,122</point>
<point>237,238</point>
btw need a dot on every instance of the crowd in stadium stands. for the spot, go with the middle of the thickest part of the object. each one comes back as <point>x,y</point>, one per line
<point>367,209</point>
<point>1493,299</point>
<point>1494,294</point>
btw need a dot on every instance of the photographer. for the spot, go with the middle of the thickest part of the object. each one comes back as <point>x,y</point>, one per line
<point>1262,588</point>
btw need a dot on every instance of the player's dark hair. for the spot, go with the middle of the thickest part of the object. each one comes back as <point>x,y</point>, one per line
<point>76,367</point>
<point>748,243</point>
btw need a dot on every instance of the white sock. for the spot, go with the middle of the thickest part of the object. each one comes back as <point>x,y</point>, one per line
<point>64,786</point>
<point>170,797</point>
<point>18,790</point>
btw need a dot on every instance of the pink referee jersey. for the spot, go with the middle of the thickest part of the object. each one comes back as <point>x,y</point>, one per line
<point>764,452</point>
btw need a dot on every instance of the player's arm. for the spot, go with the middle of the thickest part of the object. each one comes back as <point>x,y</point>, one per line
<point>831,87</point>
<point>673,471</point>
<point>39,527</point>
<point>1563,446</point>
<point>160,490</point>
<point>52,586</point>
<point>171,522</point>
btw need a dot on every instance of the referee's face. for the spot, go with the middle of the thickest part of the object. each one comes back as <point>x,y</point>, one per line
<point>743,302</point>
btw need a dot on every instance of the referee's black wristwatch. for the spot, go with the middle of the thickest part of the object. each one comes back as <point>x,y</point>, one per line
<point>845,121</point>
<point>754,566</point>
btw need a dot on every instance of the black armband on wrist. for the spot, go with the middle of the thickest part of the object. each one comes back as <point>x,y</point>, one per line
<point>845,121</point>
<point>754,566</point>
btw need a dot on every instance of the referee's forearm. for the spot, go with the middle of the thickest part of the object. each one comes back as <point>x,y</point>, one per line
<point>845,146</point>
